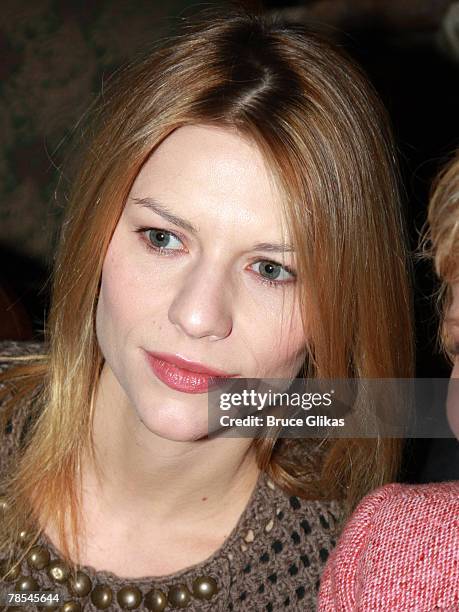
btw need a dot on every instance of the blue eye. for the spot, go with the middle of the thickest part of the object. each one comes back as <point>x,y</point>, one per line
<point>273,271</point>
<point>163,242</point>
<point>160,240</point>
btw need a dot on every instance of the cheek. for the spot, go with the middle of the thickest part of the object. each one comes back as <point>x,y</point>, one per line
<point>292,348</point>
<point>120,300</point>
<point>107,316</point>
<point>280,343</point>
<point>452,402</point>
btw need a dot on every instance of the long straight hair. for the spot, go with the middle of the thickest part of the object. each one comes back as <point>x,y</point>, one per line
<point>327,144</point>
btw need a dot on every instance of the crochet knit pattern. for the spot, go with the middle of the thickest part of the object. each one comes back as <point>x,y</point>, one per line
<point>272,560</point>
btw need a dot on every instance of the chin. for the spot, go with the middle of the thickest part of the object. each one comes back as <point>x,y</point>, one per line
<point>174,424</point>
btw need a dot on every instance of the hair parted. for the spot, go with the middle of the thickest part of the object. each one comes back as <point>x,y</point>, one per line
<point>325,137</point>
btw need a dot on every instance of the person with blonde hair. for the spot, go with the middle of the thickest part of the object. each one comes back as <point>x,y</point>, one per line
<point>400,549</point>
<point>236,215</point>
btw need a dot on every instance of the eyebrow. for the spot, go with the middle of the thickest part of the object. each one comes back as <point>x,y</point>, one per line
<point>163,211</point>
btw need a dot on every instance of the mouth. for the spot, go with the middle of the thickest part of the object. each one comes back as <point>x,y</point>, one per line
<point>183,375</point>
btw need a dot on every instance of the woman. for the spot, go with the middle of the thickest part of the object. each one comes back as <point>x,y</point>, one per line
<point>236,214</point>
<point>399,550</point>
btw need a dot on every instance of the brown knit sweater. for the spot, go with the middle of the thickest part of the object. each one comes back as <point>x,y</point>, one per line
<point>272,560</point>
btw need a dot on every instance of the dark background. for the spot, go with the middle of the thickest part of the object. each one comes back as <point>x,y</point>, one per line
<point>55,56</point>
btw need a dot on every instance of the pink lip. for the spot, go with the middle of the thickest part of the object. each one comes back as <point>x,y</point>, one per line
<point>184,375</point>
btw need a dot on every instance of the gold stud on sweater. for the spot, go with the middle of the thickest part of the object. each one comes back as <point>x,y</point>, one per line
<point>80,585</point>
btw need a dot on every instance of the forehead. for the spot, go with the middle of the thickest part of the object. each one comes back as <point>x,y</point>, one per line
<point>214,173</point>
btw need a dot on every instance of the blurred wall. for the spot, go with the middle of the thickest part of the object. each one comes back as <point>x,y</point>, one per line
<point>54,58</point>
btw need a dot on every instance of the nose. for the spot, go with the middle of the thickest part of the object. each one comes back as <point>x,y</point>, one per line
<point>201,307</point>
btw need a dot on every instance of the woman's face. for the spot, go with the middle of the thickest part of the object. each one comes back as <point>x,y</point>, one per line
<point>212,295</point>
<point>452,325</point>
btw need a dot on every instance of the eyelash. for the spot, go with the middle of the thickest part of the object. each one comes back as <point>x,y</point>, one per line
<point>163,252</point>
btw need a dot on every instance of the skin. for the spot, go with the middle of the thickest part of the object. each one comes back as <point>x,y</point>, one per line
<point>452,329</point>
<point>206,302</point>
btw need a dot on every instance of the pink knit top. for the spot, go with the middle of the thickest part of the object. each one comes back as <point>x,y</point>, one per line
<point>399,551</point>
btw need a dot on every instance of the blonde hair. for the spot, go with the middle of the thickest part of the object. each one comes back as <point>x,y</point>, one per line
<point>326,139</point>
<point>440,242</point>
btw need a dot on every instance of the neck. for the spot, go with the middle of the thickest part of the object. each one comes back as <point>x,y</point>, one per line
<point>142,474</point>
